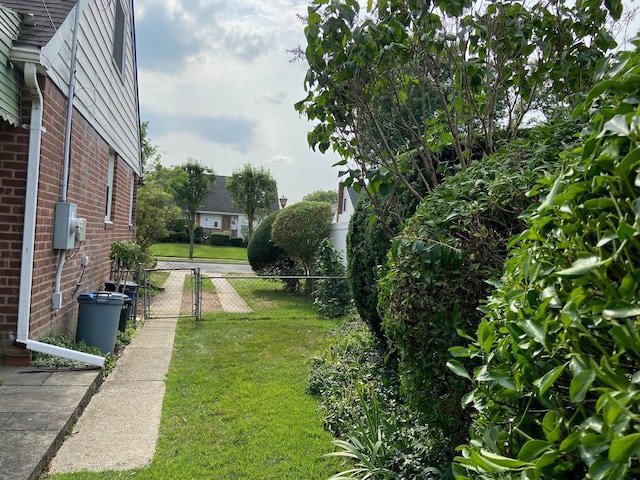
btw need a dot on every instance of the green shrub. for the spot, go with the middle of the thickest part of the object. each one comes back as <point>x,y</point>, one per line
<point>352,365</point>
<point>266,258</point>
<point>367,248</point>
<point>219,239</point>
<point>331,296</point>
<point>556,394</point>
<point>436,273</point>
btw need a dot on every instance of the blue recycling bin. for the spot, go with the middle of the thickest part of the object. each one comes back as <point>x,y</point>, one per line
<point>98,318</point>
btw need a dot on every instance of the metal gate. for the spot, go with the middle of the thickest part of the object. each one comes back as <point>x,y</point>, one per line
<point>171,292</point>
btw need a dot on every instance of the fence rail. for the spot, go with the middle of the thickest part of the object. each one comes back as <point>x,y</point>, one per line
<point>188,293</point>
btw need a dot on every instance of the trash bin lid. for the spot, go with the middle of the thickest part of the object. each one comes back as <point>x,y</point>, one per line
<point>114,298</point>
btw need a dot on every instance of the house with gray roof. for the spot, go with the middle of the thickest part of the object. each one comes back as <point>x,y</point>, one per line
<point>70,162</point>
<point>219,214</point>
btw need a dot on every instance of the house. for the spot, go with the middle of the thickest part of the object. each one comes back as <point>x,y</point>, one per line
<point>347,199</point>
<point>219,214</point>
<point>69,159</point>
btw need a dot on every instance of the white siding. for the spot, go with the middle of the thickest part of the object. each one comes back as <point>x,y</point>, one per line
<point>9,80</point>
<point>108,100</point>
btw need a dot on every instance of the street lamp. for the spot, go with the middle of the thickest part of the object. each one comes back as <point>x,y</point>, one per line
<point>283,201</point>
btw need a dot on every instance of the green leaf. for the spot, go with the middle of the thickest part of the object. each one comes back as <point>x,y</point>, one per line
<point>505,462</point>
<point>532,450</point>
<point>580,385</point>
<point>617,125</point>
<point>546,381</point>
<point>623,448</point>
<point>456,367</point>
<point>620,309</point>
<point>581,266</point>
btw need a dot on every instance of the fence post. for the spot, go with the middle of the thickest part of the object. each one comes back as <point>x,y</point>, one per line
<point>197,292</point>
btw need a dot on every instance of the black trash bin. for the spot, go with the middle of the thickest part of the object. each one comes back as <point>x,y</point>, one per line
<point>98,318</point>
<point>125,313</point>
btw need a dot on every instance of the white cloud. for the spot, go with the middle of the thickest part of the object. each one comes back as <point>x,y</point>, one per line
<point>216,85</point>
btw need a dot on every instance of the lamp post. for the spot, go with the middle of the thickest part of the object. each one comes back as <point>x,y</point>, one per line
<point>283,201</point>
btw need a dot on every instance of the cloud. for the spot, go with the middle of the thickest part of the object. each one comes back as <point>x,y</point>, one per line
<point>277,98</point>
<point>236,132</point>
<point>162,42</point>
<point>280,159</point>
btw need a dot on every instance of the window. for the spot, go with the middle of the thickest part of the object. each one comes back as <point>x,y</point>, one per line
<point>109,199</point>
<point>344,205</point>
<point>119,42</point>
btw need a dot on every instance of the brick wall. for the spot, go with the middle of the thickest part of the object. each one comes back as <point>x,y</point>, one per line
<point>86,188</point>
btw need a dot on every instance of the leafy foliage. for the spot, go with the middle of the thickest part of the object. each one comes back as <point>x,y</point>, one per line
<point>190,183</point>
<point>332,296</point>
<point>254,191</point>
<point>352,369</point>
<point>367,247</point>
<point>266,258</point>
<point>299,230</point>
<point>435,275</point>
<point>556,392</point>
<point>329,196</point>
<point>440,77</point>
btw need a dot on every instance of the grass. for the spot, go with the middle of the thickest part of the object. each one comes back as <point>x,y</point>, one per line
<point>236,405</point>
<point>200,252</point>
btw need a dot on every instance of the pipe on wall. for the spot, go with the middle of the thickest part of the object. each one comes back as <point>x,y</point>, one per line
<point>67,144</point>
<point>28,242</point>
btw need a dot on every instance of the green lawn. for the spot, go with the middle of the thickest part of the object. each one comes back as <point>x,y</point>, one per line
<point>235,405</point>
<point>200,252</point>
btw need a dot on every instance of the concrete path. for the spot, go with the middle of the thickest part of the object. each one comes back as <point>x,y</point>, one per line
<point>229,298</point>
<point>119,428</point>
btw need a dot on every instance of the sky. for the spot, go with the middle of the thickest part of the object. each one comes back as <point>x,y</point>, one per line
<point>217,85</point>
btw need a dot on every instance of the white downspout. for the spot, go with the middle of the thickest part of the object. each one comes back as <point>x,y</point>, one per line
<point>28,240</point>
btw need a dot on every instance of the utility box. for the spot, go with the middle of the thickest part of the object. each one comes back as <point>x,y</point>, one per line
<point>67,228</point>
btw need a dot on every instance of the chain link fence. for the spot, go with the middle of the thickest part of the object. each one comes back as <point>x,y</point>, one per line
<point>188,293</point>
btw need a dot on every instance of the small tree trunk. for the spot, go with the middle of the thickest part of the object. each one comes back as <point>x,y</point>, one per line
<point>191,239</point>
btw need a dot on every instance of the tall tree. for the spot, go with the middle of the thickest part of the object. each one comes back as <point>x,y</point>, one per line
<point>439,81</point>
<point>190,183</point>
<point>155,209</point>
<point>329,196</point>
<point>254,191</point>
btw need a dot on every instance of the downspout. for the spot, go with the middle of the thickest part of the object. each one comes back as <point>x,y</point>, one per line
<point>67,140</point>
<point>28,240</point>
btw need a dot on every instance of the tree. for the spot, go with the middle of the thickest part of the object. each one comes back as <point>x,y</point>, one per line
<point>299,230</point>
<point>446,81</point>
<point>190,183</point>
<point>329,196</point>
<point>154,206</point>
<point>148,150</point>
<point>155,211</point>
<point>254,191</point>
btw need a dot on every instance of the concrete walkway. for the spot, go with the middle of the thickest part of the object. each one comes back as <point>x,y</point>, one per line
<point>229,298</point>
<point>119,428</point>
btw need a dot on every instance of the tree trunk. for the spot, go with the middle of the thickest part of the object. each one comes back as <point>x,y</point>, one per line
<point>191,239</point>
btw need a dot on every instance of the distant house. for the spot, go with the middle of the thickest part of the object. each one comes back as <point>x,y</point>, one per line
<point>218,214</point>
<point>347,199</point>
<point>70,161</point>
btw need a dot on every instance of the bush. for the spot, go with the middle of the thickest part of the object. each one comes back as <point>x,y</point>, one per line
<point>266,258</point>
<point>219,239</point>
<point>436,274</point>
<point>557,393</point>
<point>353,365</point>
<point>332,296</point>
<point>367,248</point>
